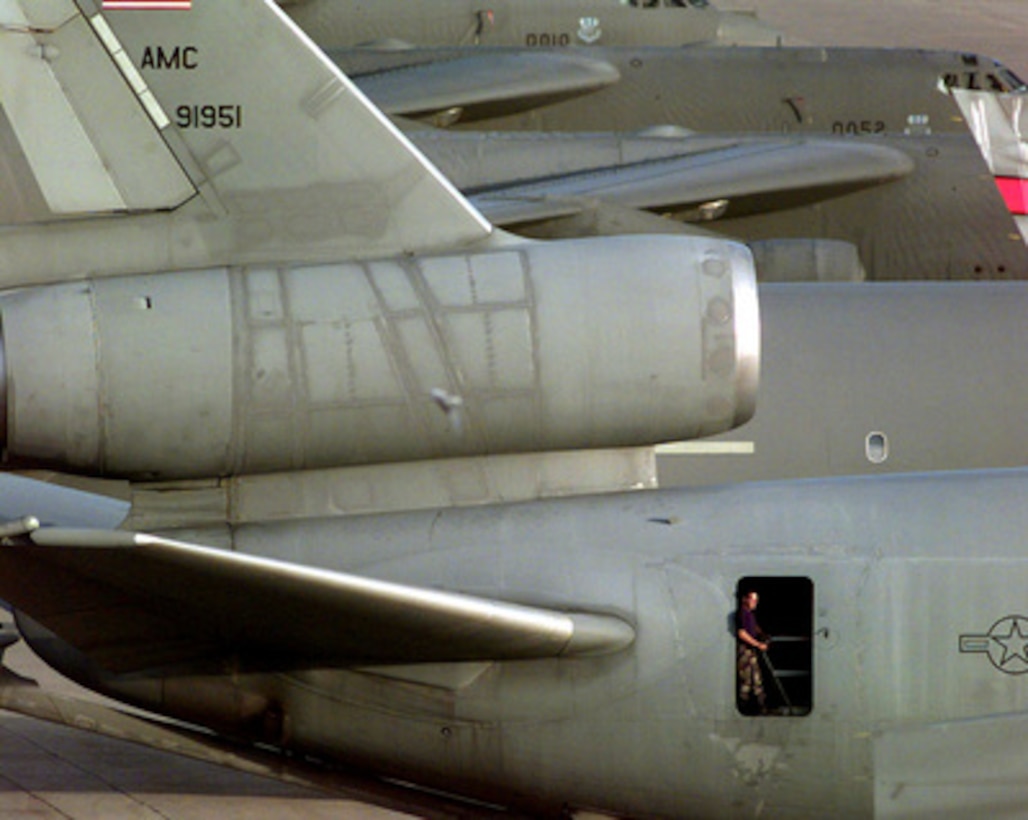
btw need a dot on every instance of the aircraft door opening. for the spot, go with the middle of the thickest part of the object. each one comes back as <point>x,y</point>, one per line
<point>774,651</point>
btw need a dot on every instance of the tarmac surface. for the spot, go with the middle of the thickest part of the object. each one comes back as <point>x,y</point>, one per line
<point>53,771</point>
<point>49,770</point>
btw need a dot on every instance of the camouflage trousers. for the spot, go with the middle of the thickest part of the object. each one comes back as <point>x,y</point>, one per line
<point>751,679</point>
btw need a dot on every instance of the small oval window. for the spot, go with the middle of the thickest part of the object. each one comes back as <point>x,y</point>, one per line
<point>876,446</point>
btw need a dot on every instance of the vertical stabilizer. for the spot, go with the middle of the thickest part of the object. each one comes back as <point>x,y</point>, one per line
<point>275,135</point>
<point>72,142</point>
<point>222,113</point>
<point>999,123</point>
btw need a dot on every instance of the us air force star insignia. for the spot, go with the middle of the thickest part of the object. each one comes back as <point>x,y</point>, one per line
<point>589,30</point>
<point>1006,644</point>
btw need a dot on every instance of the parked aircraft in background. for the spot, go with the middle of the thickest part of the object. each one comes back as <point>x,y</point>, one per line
<point>304,290</point>
<point>999,123</point>
<point>810,208</point>
<point>527,23</point>
<point>847,91</point>
<point>839,91</point>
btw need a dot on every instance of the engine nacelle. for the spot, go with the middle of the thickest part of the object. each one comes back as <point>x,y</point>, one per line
<point>807,260</point>
<point>624,341</point>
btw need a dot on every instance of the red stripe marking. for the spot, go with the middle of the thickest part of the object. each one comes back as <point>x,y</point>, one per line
<point>1015,194</point>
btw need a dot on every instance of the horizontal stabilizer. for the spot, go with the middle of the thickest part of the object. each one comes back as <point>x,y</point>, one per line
<point>132,602</point>
<point>752,176</point>
<point>485,85</point>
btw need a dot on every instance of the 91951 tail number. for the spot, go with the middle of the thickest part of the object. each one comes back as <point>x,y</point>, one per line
<point>209,116</point>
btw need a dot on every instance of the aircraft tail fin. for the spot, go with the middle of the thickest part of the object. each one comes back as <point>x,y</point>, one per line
<point>999,123</point>
<point>114,106</point>
<point>72,142</point>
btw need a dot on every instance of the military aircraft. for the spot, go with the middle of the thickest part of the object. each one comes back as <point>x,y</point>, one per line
<point>841,91</point>
<point>340,23</point>
<point>815,208</point>
<point>854,91</point>
<point>559,655</point>
<point>624,697</point>
<point>999,122</point>
<point>327,304</point>
<point>886,377</point>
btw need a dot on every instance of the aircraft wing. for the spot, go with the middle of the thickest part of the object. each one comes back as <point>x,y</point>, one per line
<point>739,179</point>
<point>484,85</point>
<point>132,602</point>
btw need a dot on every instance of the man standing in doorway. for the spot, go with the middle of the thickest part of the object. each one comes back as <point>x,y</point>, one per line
<point>750,639</point>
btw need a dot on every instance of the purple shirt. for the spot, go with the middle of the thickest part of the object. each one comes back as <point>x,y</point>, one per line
<point>746,620</point>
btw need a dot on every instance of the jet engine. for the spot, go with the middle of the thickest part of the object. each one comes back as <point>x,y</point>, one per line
<point>613,342</point>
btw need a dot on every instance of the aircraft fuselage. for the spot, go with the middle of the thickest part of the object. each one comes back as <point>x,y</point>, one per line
<point>875,378</point>
<point>847,91</point>
<point>944,220</point>
<point>897,605</point>
<point>527,23</point>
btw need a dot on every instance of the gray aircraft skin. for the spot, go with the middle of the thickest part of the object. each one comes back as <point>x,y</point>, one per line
<point>896,601</point>
<point>838,91</point>
<point>876,378</point>
<point>819,208</point>
<point>848,91</point>
<point>527,23</point>
<point>555,655</point>
<point>330,303</point>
